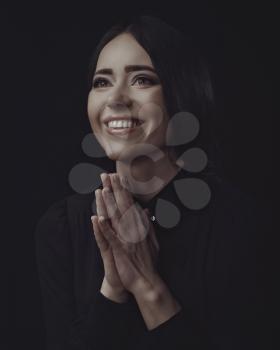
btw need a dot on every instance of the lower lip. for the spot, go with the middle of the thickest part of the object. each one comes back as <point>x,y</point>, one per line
<point>123,131</point>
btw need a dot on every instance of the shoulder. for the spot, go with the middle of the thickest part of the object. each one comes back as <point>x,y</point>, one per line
<point>230,197</point>
<point>55,220</point>
<point>80,203</point>
<point>59,209</point>
<point>234,209</point>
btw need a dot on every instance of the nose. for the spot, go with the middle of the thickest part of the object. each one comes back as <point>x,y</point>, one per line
<point>118,98</point>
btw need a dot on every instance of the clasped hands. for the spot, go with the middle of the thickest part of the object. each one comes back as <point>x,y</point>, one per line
<point>126,240</point>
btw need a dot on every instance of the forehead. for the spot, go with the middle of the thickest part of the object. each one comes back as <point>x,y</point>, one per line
<point>121,51</point>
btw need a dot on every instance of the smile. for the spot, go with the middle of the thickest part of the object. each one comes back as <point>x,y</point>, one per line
<point>122,127</point>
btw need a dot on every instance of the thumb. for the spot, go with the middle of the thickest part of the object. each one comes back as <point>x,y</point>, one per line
<point>147,212</point>
<point>147,219</point>
<point>152,232</point>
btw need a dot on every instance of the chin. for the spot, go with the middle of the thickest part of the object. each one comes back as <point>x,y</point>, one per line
<point>114,154</point>
<point>121,155</point>
<point>128,152</point>
<point>113,157</point>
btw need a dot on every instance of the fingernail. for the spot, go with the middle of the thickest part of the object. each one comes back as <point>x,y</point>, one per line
<point>112,177</point>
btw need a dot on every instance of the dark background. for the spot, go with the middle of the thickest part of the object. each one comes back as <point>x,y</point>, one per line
<point>46,56</point>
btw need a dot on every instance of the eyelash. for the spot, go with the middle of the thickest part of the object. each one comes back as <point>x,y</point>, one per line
<point>98,80</point>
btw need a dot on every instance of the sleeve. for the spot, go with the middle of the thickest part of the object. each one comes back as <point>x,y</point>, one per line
<point>235,295</point>
<point>235,308</point>
<point>180,332</point>
<point>245,299</point>
<point>104,324</point>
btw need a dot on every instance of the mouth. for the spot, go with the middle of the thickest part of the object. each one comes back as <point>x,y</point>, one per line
<point>123,127</point>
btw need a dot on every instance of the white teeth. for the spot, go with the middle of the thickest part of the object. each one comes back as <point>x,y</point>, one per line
<point>122,124</point>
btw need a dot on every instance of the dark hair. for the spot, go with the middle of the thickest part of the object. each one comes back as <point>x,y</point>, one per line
<point>183,73</point>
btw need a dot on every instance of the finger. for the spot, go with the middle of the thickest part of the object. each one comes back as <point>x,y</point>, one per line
<point>125,183</point>
<point>111,205</point>
<point>126,186</point>
<point>102,243</point>
<point>109,233</point>
<point>122,196</point>
<point>105,178</point>
<point>147,216</point>
<point>100,205</point>
<point>106,183</point>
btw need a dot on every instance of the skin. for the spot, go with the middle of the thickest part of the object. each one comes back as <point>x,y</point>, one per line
<point>122,229</point>
<point>138,94</point>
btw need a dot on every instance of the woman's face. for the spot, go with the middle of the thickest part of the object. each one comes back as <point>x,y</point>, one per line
<point>125,87</point>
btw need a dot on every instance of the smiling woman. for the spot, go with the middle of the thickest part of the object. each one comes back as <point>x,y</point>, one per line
<point>111,277</point>
<point>130,92</point>
<point>181,75</point>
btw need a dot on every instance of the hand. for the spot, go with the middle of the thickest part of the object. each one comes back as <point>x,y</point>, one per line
<point>131,236</point>
<point>112,286</point>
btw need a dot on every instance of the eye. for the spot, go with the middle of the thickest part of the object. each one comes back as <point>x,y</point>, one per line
<point>97,82</point>
<point>145,80</point>
<point>101,82</point>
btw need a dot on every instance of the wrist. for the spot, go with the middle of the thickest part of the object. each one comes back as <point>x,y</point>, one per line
<point>150,290</point>
<point>156,304</point>
<point>118,295</point>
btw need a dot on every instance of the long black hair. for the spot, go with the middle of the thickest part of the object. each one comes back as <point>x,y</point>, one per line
<point>184,76</point>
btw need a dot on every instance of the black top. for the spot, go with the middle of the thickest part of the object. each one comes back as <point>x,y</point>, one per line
<point>208,260</point>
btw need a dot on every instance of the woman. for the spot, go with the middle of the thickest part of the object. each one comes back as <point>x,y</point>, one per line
<point>114,278</point>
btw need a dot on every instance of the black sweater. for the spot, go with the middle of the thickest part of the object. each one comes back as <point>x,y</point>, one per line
<point>209,261</point>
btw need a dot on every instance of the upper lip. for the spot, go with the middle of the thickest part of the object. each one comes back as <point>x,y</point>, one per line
<point>119,117</point>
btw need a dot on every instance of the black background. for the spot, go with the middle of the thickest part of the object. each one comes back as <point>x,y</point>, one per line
<point>46,52</point>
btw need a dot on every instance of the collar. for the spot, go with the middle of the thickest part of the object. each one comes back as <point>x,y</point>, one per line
<point>165,205</point>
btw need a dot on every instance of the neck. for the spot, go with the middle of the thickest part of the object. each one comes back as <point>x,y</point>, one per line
<point>147,177</point>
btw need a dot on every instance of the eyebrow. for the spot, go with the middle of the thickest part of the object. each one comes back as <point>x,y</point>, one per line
<point>128,69</point>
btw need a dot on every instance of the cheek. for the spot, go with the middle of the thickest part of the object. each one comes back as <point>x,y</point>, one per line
<point>159,101</point>
<point>153,107</point>
<point>93,108</point>
<point>156,97</point>
<point>153,95</point>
